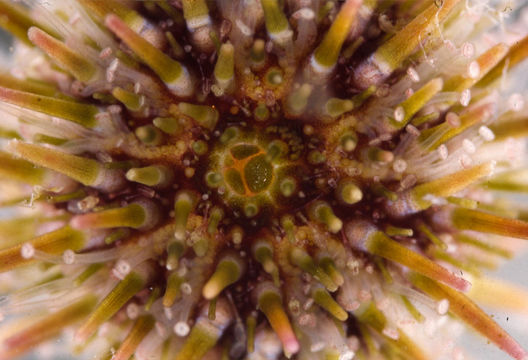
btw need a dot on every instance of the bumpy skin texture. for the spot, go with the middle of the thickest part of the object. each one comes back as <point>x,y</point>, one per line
<point>305,179</point>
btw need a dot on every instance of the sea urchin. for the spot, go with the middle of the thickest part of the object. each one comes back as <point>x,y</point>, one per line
<point>259,179</point>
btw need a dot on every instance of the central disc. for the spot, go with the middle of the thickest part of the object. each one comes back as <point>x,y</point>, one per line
<point>255,170</point>
<point>247,170</point>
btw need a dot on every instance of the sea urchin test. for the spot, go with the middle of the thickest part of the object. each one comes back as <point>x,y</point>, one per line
<point>261,179</point>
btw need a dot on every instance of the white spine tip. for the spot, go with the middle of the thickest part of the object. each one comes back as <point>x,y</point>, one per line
<point>473,70</point>
<point>486,133</point>
<point>399,114</point>
<point>465,97</point>
<point>413,74</point>
<point>181,329</point>
<point>442,307</point>
<point>347,355</point>
<point>68,257</point>
<point>122,269</point>
<point>516,102</point>
<point>27,251</point>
